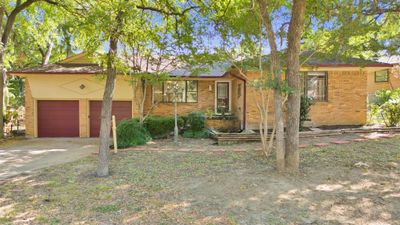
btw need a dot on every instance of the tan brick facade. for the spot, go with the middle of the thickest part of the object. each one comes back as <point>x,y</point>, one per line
<point>205,101</point>
<point>346,105</point>
<point>347,100</point>
<point>29,112</point>
<point>223,124</point>
<point>252,113</point>
<point>373,86</point>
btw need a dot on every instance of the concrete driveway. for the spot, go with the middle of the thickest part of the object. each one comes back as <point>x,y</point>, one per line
<point>26,155</point>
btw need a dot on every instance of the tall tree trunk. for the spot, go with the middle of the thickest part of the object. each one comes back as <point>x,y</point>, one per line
<point>275,70</point>
<point>102,166</point>
<point>47,54</point>
<point>143,90</point>
<point>293,78</point>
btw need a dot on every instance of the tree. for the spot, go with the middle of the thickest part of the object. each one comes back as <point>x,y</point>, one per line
<point>8,15</point>
<point>293,77</point>
<point>112,21</point>
<point>271,80</point>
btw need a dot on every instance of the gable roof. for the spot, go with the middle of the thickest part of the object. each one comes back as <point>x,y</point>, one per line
<point>76,64</point>
<point>313,59</point>
<point>325,60</point>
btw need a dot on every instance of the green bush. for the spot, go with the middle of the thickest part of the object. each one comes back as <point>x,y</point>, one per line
<point>305,107</point>
<point>386,107</point>
<point>196,121</point>
<point>196,134</point>
<point>161,126</point>
<point>131,133</point>
<point>196,126</point>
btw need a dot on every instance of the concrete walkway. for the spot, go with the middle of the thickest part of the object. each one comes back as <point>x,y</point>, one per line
<point>26,155</point>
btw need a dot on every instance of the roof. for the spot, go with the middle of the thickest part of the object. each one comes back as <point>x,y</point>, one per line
<point>313,59</point>
<point>218,69</point>
<point>325,60</point>
<point>80,64</point>
<point>66,68</point>
<point>76,64</point>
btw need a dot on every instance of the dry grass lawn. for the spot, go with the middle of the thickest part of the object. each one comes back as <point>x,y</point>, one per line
<point>214,188</point>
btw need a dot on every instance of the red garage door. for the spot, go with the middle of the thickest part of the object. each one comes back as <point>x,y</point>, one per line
<point>58,118</point>
<point>121,109</point>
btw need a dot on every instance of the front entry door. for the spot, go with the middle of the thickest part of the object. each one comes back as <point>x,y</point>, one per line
<point>222,98</point>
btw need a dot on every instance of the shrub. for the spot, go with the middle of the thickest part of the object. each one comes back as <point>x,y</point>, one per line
<point>196,133</point>
<point>305,106</point>
<point>131,133</point>
<point>196,121</point>
<point>386,106</point>
<point>161,126</point>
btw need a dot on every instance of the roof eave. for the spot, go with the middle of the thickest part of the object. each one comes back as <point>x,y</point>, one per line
<point>48,73</point>
<point>349,65</point>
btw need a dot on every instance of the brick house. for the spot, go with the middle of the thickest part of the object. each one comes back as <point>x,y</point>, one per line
<point>64,99</point>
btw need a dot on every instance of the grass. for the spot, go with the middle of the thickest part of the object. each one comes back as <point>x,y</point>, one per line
<point>182,188</point>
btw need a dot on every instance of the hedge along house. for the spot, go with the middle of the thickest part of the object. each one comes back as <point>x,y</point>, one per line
<point>64,99</point>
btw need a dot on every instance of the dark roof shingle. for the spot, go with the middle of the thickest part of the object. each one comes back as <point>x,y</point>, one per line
<point>66,68</point>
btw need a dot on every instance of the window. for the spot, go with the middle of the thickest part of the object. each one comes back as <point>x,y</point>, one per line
<point>186,91</point>
<point>382,76</point>
<point>314,85</point>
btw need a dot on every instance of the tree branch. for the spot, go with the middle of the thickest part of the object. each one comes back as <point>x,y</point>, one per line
<point>378,10</point>
<point>169,13</point>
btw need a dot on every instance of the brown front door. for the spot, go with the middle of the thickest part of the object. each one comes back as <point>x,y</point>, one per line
<point>58,118</point>
<point>121,109</point>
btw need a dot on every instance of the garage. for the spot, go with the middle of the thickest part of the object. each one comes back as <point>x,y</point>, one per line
<point>121,109</point>
<point>58,118</point>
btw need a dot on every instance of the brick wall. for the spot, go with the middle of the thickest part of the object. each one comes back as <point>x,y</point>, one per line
<point>205,101</point>
<point>347,100</point>
<point>373,86</point>
<point>346,105</point>
<point>223,124</point>
<point>29,111</point>
<point>252,113</point>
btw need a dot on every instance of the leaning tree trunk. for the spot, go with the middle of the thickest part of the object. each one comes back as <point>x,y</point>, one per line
<point>277,75</point>
<point>47,54</point>
<point>293,104</point>
<point>102,166</point>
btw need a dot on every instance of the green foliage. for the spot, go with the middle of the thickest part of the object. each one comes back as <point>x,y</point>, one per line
<point>361,29</point>
<point>196,126</point>
<point>131,133</point>
<point>267,82</point>
<point>196,121</point>
<point>204,133</point>
<point>305,106</point>
<point>161,126</point>
<point>386,106</point>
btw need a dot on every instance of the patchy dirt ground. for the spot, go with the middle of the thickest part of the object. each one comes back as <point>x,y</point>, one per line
<point>358,183</point>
